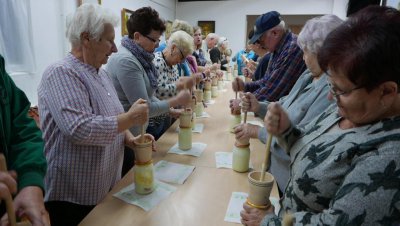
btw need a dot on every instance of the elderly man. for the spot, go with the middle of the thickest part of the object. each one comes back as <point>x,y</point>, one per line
<point>209,43</point>
<point>286,62</point>
<point>218,53</point>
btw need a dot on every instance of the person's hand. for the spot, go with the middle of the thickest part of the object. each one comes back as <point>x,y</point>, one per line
<point>139,112</point>
<point>276,120</point>
<point>29,204</point>
<point>175,113</point>
<point>234,105</point>
<point>133,141</point>
<point>198,77</point>
<point>220,74</point>
<point>186,82</point>
<point>252,65</point>
<point>247,72</point>
<point>238,85</point>
<point>250,103</point>
<point>8,184</point>
<point>183,98</point>
<point>215,66</point>
<point>207,72</point>
<point>246,131</point>
<point>251,216</point>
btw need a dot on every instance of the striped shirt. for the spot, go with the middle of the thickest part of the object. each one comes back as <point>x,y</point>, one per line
<point>285,67</point>
<point>78,108</point>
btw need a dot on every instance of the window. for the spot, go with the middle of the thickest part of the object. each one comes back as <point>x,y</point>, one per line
<point>16,36</point>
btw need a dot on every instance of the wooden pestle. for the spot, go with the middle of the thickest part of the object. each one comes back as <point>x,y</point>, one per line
<point>266,159</point>
<point>9,201</point>
<point>142,132</point>
<point>142,140</point>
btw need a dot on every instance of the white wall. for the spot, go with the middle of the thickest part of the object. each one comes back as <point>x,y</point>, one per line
<point>46,44</point>
<point>230,16</point>
<point>48,27</point>
<point>48,23</point>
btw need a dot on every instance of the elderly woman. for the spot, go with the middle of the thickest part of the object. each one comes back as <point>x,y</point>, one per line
<point>304,102</point>
<point>179,25</point>
<point>84,125</point>
<point>135,76</point>
<point>179,46</point>
<point>345,165</point>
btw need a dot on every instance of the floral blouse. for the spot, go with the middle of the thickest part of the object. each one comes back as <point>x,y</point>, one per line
<point>343,177</point>
<point>167,77</point>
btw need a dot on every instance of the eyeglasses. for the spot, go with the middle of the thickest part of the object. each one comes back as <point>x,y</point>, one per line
<point>183,57</point>
<point>335,93</point>
<point>152,39</point>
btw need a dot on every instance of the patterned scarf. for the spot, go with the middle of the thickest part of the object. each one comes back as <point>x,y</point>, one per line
<point>145,58</point>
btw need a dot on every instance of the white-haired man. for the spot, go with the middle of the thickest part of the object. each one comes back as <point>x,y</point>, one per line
<point>210,42</point>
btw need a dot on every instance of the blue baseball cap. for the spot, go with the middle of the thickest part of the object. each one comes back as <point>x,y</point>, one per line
<point>264,23</point>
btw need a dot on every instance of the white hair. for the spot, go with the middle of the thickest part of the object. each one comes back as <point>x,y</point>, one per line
<point>183,41</point>
<point>281,25</point>
<point>222,41</point>
<point>212,35</point>
<point>315,30</point>
<point>89,18</point>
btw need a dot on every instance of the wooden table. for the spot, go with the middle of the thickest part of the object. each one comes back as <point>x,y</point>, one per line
<point>203,199</point>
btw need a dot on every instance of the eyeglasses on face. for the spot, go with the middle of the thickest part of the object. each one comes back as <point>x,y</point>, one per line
<point>335,93</point>
<point>180,51</point>
<point>152,39</point>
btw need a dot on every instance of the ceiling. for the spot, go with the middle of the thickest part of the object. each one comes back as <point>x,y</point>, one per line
<point>199,0</point>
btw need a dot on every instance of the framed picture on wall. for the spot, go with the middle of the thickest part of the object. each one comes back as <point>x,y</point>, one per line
<point>80,2</point>
<point>393,3</point>
<point>207,26</point>
<point>125,14</point>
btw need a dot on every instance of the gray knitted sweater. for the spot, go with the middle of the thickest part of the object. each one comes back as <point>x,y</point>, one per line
<point>343,177</point>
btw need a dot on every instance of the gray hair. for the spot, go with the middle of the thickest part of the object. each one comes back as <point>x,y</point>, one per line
<point>212,35</point>
<point>181,25</point>
<point>315,30</point>
<point>223,41</point>
<point>282,25</point>
<point>89,18</point>
<point>183,41</point>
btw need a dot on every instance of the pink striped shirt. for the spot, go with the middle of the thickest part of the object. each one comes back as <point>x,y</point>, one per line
<point>78,108</point>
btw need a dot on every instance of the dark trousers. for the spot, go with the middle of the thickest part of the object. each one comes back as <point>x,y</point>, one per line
<point>66,213</point>
<point>157,130</point>
<point>129,161</point>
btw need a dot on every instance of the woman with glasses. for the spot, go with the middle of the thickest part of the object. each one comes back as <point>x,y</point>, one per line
<point>345,165</point>
<point>179,46</point>
<point>134,75</point>
<point>305,101</point>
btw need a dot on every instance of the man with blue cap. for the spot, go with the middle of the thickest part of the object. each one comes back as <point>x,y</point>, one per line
<point>286,63</point>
